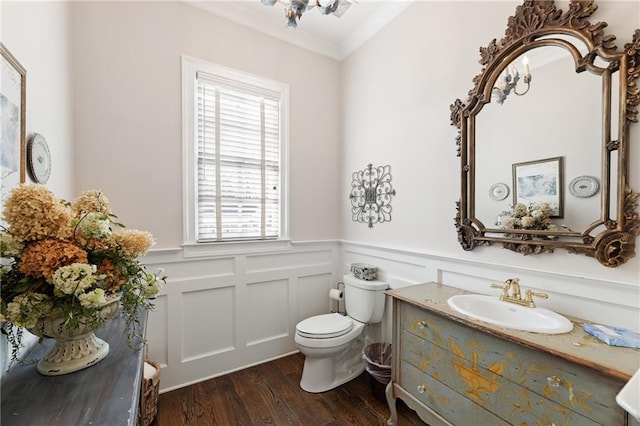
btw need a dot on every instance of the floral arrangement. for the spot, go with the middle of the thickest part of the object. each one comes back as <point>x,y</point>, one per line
<point>534,216</point>
<point>69,259</point>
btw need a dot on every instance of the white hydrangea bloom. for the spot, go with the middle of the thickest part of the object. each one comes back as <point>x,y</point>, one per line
<point>9,246</point>
<point>25,309</point>
<point>75,278</point>
<point>152,284</point>
<point>93,299</point>
<point>94,225</point>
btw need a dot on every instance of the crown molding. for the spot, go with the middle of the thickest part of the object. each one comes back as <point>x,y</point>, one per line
<point>236,12</point>
<point>371,26</point>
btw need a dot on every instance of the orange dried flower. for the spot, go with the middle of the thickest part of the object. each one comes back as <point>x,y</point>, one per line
<point>43,258</point>
<point>91,201</point>
<point>94,244</point>
<point>132,243</point>
<point>33,212</point>
<point>114,277</point>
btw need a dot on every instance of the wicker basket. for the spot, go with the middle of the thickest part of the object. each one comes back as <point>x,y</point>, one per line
<point>149,397</point>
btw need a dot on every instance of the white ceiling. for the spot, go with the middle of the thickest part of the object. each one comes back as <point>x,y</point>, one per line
<point>329,35</point>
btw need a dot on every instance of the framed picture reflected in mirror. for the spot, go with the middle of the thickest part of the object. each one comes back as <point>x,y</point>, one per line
<point>540,181</point>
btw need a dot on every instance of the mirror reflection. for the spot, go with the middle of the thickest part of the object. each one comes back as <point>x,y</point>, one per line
<point>560,106</point>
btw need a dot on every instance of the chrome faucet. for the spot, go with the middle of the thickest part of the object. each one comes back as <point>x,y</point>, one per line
<point>513,284</point>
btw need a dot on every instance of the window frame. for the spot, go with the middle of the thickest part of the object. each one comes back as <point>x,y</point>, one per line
<point>190,67</point>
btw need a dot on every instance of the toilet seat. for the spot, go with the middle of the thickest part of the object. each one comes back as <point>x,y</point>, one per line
<point>324,326</point>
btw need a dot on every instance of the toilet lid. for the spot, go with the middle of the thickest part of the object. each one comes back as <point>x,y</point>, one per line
<point>325,326</point>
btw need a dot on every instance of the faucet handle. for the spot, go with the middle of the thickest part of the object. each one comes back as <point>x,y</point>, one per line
<point>504,287</point>
<point>529,297</point>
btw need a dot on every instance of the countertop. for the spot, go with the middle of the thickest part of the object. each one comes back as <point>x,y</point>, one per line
<point>576,346</point>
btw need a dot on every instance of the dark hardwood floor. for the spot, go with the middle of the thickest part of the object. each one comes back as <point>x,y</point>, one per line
<point>270,394</point>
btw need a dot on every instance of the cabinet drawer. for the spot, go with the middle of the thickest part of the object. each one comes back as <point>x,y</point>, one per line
<point>448,403</point>
<point>485,387</point>
<point>577,388</point>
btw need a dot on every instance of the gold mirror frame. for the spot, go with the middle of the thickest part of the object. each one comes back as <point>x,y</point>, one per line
<point>533,25</point>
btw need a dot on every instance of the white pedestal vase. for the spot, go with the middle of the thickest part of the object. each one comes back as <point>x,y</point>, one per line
<point>75,349</point>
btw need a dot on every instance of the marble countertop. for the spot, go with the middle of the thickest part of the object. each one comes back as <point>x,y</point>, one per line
<point>576,346</point>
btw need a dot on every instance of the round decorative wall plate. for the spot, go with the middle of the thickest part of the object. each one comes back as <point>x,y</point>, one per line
<point>584,186</point>
<point>499,191</point>
<point>39,158</point>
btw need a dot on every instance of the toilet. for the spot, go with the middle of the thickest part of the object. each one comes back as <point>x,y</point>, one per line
<point>332,343</point>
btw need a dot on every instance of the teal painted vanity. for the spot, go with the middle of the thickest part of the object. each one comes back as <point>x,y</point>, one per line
<point>454,370</point>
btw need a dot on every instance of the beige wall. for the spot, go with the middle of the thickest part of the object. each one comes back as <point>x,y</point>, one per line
<point>127,99</point>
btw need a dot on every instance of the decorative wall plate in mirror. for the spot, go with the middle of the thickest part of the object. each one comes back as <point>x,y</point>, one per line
<point>510,111</point>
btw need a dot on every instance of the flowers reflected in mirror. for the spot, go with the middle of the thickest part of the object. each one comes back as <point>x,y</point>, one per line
<point>534,217</point>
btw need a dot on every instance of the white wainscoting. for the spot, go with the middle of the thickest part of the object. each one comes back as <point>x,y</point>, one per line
<point>220,313</point>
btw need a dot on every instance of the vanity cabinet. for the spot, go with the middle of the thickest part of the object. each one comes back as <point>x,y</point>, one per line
<point>453,370</point>
<point>105,394</point>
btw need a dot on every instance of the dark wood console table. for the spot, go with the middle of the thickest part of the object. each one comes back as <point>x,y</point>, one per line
<point>107,393</point>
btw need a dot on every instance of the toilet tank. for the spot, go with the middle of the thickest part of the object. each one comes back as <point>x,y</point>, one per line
<point>364,300</point>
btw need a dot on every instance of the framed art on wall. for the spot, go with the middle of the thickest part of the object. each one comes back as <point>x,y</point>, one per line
<point>13,80</point>
<point>539,181</point>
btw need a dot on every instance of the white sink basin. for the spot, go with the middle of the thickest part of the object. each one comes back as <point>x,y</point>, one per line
<point>505,314</point>
<point>629,397</point>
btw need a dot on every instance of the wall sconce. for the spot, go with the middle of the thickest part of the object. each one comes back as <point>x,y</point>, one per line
<point>508,81</point>
<point>371,195</point>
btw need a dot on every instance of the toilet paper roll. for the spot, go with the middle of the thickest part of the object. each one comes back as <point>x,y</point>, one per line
<point>336,294</point>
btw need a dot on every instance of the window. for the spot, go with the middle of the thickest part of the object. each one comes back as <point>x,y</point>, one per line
<point>234,145</point>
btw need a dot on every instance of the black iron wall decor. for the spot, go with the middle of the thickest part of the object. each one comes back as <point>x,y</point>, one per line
<point>371,194</point>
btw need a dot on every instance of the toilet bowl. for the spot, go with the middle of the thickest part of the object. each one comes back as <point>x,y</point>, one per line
<point>331,358</point>
<point>332,343</point>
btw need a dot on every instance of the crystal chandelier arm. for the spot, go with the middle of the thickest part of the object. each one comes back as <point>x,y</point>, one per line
<point>327,8</point>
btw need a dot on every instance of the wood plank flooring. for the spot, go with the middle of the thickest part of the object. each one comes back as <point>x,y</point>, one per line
<point>270,394</point>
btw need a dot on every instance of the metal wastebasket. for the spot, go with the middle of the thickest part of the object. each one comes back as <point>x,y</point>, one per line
<point>377,357</point>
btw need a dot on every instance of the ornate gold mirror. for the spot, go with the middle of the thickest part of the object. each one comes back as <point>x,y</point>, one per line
<point>544,138</point>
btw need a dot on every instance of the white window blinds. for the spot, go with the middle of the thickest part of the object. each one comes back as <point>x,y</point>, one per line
<point>238,160</point>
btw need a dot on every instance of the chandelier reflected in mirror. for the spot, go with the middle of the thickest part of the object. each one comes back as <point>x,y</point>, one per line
<point>295,8</point>
<point>508,81</point>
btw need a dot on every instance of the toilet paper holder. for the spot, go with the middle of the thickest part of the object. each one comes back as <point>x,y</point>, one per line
<point>337,295</point>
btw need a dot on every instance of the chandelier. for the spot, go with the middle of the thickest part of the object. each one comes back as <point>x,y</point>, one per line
<point>508,82</point>
<point>295,8</point>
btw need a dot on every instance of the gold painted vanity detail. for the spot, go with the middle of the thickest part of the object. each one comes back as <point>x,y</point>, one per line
<point>454,370</point>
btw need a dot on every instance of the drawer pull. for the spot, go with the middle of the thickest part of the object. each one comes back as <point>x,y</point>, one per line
<point>421,388</point>
<point>422,325</point>
<point>553,381</point>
